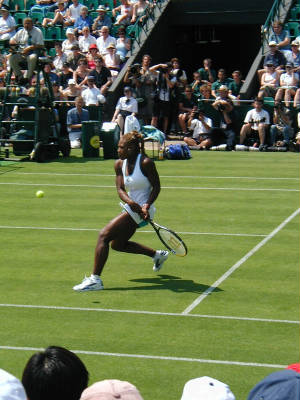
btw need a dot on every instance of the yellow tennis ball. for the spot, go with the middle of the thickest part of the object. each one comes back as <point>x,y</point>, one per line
<point>40,194</point>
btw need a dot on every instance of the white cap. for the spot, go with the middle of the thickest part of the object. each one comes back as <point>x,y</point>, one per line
<point>71,82</point>
<point>272,43</point>
<point>70,30</point>
<point>206,388</point>
<point>10,387</point>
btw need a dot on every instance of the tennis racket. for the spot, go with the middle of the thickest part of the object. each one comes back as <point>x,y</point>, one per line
<point>169,238</point>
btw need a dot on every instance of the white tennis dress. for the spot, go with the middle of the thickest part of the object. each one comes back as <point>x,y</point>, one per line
<point>138,188</point>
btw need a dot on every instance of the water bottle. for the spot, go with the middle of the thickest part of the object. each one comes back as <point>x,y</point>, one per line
<point>160,154</point>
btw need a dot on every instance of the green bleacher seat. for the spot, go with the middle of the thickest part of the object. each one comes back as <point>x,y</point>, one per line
<point>295,13</point>
<point>52,52</point>
<point>91,4</point>
<point>269,101</point>
<point>20,4</point>
<point>29,4</point>
<point>53,33</point>
<point>19,17</point>
<point>63,33</point>
<point>93,14</point>
<point>294,28</point>
<point>108,3</point>
<point>37,18</point>
<point>50,14</point>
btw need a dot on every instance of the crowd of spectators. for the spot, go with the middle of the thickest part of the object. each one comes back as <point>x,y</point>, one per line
<point>57,373</point>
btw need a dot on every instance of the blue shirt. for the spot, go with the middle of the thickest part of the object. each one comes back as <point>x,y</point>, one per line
<point>280,38</point>
<point>74,118</point>
<point>105,22</point>
<point>82,22</point>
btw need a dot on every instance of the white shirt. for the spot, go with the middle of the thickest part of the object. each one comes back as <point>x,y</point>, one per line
<point>58,62</point>
<point>257,117</point>
<point>85,42</point>
<point>125,105</point>
<point>75,11</point>
<point>22,36</point>
<point>102,44</point>
<point>7,23</point>
<point>90,96</point>
<point>199,128</point>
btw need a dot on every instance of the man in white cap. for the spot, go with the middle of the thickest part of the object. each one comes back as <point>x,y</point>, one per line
<point>102,20</point>
<point>10,387</point>
<point>206,388</point>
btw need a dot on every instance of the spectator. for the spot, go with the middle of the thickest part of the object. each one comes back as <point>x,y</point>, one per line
<point>65,76</point>
<point>102,20</point>
<point>146,88</point>
<point>75,57</point>
<point>55,373</point>
<point>91,95</point>
<point>236,85</point>
<point>123,13</point>
<point>86,40</point>
<point>294,56</point>
<point>226,131</point>
<point>196,83</point>
<point>73,12</point>
<point>123,44</point>
<point>92,55</point>
<point>275,57</point>
<point>162,104</point>
<point>7,25</point>
<point>75,117</point>
<point>68,43</point>
<point>280,385</point>
<point>102,75</point>
<point>221,81</point>
<point>255,125</point>
<point>187,104</point>
<point>57,96</point>
<point>139,10</point>
<point>207,74</point>
<point>71,91</point>
<point>289,82</point>
<point>281,130</point>
<point>269,82</point>
<point>52,76</point>
<point>60,58</point>
<point>83,20</point>
<point>60,15</point>
<point>112,61</point>
<point>180,75</point>
<point>104,40</point>
<point>201,126</point>
<point>206,388</point>
<point>42,6</point>
<point>281,37</point>
<point>126,106</point>
<point>10,387</point>
<point>30,41</point>
<point>81,72</point>
<point>111,389</point>
<point>205,94</point>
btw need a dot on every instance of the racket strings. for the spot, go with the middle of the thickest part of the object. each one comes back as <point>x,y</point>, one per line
<point>173,242</point>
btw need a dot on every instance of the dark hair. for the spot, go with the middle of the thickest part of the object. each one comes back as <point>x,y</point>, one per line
<point>134,138</point>
<point>55,373</point>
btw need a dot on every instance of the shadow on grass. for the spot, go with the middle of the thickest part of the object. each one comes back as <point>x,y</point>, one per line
<point>167,282</point>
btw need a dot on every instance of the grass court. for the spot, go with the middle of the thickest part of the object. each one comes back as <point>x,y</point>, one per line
<point>229,309</point>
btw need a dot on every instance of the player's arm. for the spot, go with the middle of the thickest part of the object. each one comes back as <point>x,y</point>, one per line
<point>149,170</point>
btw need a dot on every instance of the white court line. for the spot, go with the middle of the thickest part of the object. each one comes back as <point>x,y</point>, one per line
<point>151,357</point>
<point>281,321</point>
<point>162,176</point>
<point>239,263</point>
<point>139,231</point>
<point>163,187</point>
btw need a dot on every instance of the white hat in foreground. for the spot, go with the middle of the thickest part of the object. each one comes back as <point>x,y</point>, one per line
<point>206,388</point>
<point>10,387</point>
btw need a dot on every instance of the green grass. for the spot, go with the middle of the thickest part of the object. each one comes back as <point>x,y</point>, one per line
<point>222,204</point>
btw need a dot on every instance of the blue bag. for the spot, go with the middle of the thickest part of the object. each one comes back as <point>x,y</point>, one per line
<point>177,152</point>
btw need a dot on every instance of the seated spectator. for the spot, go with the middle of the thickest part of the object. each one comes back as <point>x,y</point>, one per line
<point>91,95</point>
<point>281,37</point>
<point>201,126</point>
<point>196,83</point>
<point>226,131</point>
<point>279,385</point>
<point>71,91</point>
<point>269,82</point>
<point>92,55</point>
<point>83,20</point>
<point>289,81</point>
<point>7,25</point>
<point>126,106</point>
<point>111,389</point>
<point>123,44</point>
<point>65,75</point>
<point>112,61</point>
<point>81,72</point>
<point>221,81</point>
<point>60,58</point>
<point>205,95</point>
<point>104,40</point>
<point>207,74</point>
<point>123,13</point>
<point>57,96</point>
<point>102,75</point>
<point>55,373</point>
<point>75,117</point>
<point>205,388</point>
<point>255,125</point>
<point>275,57</point>
<point>73,12</point>
<point>138,11</point>
<point>180,75</point>
<point>60,15</point>
<point>294,56</point>
<point>281,130</point>
<point>10,387</point>
<point>85,40</point>
<point>42,6</point>
<point>75,57</point>
<point>102,20</point>
<point>187,104</point>
<point>236,85</point>
<point>53,77</point>
<point>68,43</point>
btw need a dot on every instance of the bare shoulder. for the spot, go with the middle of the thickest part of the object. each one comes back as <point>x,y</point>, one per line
<point>118,166</point>
<point>148,166</point>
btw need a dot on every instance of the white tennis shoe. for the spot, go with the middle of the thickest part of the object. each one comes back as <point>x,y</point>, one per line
<point>89,283</point>
<point>159,258</point>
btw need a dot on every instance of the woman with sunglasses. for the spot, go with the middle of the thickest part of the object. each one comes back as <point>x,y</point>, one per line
<point>289,81</point>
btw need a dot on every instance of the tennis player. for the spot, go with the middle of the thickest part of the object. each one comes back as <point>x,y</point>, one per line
<point>138,186</point>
